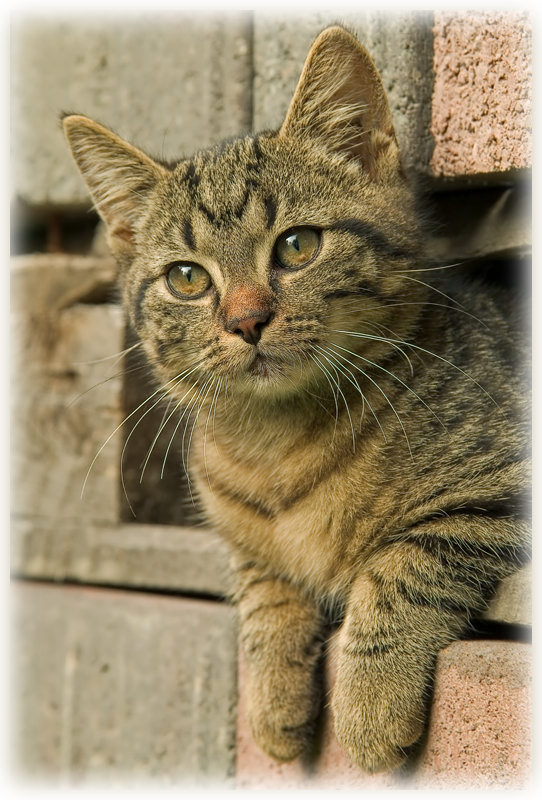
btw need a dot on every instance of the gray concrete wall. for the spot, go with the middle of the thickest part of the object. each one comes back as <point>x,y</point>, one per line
<point>169,83</point>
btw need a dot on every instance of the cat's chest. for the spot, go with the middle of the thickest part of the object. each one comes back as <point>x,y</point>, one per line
<point>293,510</point>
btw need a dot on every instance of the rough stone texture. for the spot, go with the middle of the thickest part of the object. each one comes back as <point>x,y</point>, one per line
<point>480,729</point>
<point>63,408</point>
<point>401,46</point>
<point>119,688</point>
<point>482,94</point>
<point>153,556</point>
<point>478,737</point>
<point>169,83</point>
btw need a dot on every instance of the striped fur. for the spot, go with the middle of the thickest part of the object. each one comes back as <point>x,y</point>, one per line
<point>367,458</point>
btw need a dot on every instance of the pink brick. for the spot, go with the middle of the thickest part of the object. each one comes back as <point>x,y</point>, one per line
<point>482,93</point>
<point>480,727</point>
<point>479,732</point>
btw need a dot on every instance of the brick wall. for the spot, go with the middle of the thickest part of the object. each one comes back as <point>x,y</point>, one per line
<point>124,650</point>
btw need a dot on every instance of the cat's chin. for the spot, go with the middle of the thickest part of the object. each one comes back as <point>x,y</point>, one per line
<point>268,376</point>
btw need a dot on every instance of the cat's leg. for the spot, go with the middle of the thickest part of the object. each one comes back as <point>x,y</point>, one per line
<point>281,634</point>
<point>413,597</point>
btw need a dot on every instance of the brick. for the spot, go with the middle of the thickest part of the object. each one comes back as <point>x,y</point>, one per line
<point>118,688</point>
<point>170,84</point>
<point>400,45</point>
<point>481,105</point>
<point>143,556</point>
<point>478,734</point>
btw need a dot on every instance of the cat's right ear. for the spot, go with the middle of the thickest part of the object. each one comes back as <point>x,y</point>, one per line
<point>119,176</point>
<point>341,104</point>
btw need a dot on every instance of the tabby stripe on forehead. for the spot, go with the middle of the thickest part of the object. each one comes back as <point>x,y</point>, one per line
<point>369,235</point>
<point>188,232</point>
<point>192,177</point>
<point>271,211</point>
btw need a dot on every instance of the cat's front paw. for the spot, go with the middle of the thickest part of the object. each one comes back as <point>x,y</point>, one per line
<point>374,723</point>
<point>282,720</point>
<point>280,737</point>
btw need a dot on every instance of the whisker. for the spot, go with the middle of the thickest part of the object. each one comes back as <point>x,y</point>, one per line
<point>163,421</point>
<point>423,350</point>
<point>323,369</point>
<point>395,377</point>
<point>343,370</point>
<point>187,410</point>
<point>337,383</point>
<point>200,406</point>
<point>184,376</point>
<point>432,269</point>
<point>447,296</point>
<point>386,398</point>
<point>217,389</point>
<point>174,381</point>
<point>103,381</point>
<point>107,358</point>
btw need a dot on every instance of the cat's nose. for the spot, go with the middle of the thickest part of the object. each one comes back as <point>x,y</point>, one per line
<point>250,328</point>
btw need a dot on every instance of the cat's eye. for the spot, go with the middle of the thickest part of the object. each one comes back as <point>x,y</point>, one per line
<point>187,280</point>
<point>297,247</point>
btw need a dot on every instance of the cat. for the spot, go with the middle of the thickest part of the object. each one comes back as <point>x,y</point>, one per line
<point>354,419</point>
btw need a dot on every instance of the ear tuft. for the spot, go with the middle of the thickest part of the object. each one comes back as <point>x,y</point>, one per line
<point>340,103</point>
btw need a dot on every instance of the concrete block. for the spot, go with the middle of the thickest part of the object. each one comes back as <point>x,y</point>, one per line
<point>481,116</point>
<point>480,728</point>
<point>143,556</point>
<point>117,688</point>
<point>478,734</point>
<point>66,398</point>
<point>512,601</point>
<point>400,44</point>
<point>169,83</point>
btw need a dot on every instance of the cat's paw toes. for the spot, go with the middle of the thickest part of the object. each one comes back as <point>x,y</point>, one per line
<point>374,742</point>
<point>280,740</point>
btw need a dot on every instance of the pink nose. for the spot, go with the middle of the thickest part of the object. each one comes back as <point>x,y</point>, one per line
<point>250,328</point>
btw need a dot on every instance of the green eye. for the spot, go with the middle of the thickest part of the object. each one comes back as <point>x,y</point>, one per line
<point>296,247</point>
<point>188,280</point>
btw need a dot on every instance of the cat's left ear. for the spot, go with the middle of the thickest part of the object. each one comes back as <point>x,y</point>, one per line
<point>119,177</point>
<point>341,103</point>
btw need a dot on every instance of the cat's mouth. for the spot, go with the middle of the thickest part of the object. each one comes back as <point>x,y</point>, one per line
<point>260,366</point>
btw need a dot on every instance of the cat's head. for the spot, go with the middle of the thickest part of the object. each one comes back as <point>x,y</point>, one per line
<point>246,260</point>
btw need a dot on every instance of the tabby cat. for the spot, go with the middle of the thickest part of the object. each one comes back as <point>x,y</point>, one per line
<point>352,424</point>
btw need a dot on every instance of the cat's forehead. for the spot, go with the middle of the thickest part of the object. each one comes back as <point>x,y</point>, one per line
<point>224,183</point>
<point>221,180</point>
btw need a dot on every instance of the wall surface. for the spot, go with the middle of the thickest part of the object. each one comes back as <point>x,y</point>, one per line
<point>125,664</point>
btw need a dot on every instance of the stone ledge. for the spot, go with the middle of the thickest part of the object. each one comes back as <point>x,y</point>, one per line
<point>161,557</point>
